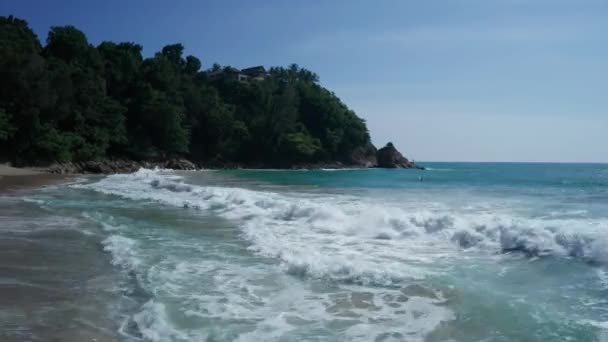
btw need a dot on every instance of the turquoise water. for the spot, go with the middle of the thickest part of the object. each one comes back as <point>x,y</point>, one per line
<point>457,252</point>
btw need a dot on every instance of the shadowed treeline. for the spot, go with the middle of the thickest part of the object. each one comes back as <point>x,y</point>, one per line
<point>71,101</point>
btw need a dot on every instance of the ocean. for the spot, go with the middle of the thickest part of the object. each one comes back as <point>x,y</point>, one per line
<point>457,252</point>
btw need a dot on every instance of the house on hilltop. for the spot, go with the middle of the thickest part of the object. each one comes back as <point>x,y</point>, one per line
<point>257,73</point>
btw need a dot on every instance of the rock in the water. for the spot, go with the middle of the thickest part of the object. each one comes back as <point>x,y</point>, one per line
<point>388,157</point>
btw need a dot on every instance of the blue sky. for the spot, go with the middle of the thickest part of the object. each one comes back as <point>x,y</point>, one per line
<point>470,80</point>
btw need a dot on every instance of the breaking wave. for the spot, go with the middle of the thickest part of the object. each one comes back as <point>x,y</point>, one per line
<point>350,238</point>
<point>376,254</point>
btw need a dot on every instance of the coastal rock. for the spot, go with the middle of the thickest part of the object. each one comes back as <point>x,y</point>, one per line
<point>96,167</point>
<point>388,157</point>
<point>110,166</point>
<point>364,156</point>
<point>63,168</point>
<point>123,166</point>
<point>180,164</point>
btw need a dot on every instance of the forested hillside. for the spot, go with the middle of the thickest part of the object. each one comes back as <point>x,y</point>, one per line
<point>68,100</point>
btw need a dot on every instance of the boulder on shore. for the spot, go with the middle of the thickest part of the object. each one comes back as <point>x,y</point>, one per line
<point>110,166</point>
<point>180,164</point>
<point>388,157</point>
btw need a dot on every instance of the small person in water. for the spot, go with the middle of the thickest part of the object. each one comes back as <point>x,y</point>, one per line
<point>420,179</point>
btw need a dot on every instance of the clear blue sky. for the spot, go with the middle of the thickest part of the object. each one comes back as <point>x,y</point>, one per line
<point>476,80</point>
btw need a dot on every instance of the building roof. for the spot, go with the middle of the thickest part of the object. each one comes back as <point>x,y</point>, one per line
<point>231,70</point>
<point>254,70</point>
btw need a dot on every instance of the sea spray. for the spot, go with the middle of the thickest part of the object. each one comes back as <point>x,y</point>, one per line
<point>279,216</point>
<point>230,259</point>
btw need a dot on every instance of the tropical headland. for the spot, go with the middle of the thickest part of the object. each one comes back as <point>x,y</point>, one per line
<point>72,107</point>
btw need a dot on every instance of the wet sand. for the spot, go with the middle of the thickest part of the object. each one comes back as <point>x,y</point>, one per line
<point>13,179</point>
<point>56,283</point>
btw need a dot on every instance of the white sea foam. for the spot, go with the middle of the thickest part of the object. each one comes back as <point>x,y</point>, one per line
<point>311,235</point>
<point>351,240</point>
<point>598,324</point>
<point>123,251</point>
<point>211,289</point>
<point>154,325</point>
<point>33,200</point>
<point>319,237</point>
<point>438,169</point>
<point>561,213</point>
<point>603,277</point>
<point>347,169</point>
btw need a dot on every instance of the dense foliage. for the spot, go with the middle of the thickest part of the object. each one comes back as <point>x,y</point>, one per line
<point>71,101</point>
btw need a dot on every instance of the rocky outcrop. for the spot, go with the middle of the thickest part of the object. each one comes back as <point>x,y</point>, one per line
<point>364,156</point>
<point>388,157</point>
<point>118,166</point>
<point>180,164</point>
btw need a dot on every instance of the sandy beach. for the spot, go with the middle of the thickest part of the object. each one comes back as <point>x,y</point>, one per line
<point>13,179</point>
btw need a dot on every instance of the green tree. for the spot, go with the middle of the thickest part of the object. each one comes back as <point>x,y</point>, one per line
<point>69,100</point>
<point>24,91</point>
<point>6,128</point>
<point>82,110</point>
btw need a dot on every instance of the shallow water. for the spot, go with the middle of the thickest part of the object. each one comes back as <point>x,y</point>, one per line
<point>55,282</point>
<point>474,252</point>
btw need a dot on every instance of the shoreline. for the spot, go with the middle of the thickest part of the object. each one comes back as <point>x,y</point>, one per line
<point>58,284</point>
<point>112,166</point>
<point>17,179</point>
<point>26,178</point>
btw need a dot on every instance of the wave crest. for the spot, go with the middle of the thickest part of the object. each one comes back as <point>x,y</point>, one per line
<point>354,239</point>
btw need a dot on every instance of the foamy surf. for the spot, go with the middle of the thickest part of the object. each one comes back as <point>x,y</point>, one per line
<point>275,263</point>
<point>273,221</point>
<point>263,295</point>
<point>273,224</point>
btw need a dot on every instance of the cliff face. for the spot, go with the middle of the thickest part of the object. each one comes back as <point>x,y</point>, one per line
<point>364,156</point>
<point>388,157</point>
